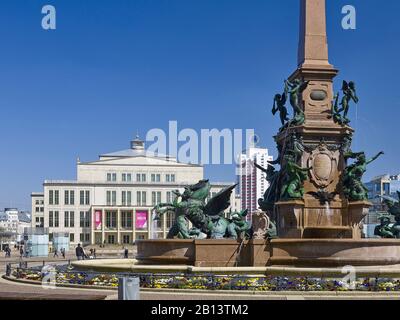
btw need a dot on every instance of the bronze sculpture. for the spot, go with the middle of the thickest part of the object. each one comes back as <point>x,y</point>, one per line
<point>353,187</point>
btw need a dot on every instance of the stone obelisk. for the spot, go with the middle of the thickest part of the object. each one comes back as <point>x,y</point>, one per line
<point>323,141</point>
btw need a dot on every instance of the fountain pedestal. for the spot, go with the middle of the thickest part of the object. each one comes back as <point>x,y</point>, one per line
<point>298,221</point>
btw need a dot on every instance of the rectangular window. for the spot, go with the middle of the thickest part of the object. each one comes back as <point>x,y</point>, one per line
<point>167,178</point>
<point>87,219</point>
<point>71,197</point>
<point>81,197</point>
<point>56,219</point>
<point>108,176</point>
<point>66,219</point>
<point>155,198</point>
<point>141,198</point>
<point>138,177</point>
<point>125,239</point>
<point>87,237</point>
<point>81,237</point>
<point>126,177</point>
<point>114,198</point>
<point>71,237</point>
<point>169,197</point>
<point>143,177</point>
<point>128,198</point>
<point>71,219</point>
<point>172,178</point>
<point>66,197</point>
<point>51,197</point>
<point>87,194</point>
<point>144,200</point>
<point>51,219</point>
<point>111,219</point>
<point>108,198</point>
<point>114,177</point>
<point>124,198</point>
<point>82,219</point>
<point>57,197</point>
<point>126,219</point>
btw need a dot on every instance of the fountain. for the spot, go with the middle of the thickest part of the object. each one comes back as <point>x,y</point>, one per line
<point>313,210</point>
<point>317,198</point>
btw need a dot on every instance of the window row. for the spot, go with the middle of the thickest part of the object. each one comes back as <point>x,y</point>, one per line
<point>69,219</point>
<point>140,177</point>
<point>141,198</point>
<point>83,237</point>
<point>69,197</point>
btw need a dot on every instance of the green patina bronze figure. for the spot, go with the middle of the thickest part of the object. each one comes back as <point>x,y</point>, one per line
<point>270,196</point>
<point>353,187</point>
<point>293,179</point>
<point>349,94</point>
<point>385,228</point>
<point>207,218</point>
<point>336,112</point>
<point>295,89</point>
<point>393,208</point>
<point>279,105</point>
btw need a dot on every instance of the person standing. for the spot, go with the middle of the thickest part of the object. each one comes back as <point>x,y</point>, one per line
<point>63,252</point>
<point>79,252</point>
<point>126,253</point>
<point>94,253</point>
<point>21,252</point>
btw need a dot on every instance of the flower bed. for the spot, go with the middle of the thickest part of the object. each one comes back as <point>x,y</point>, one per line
<point>213,282</point>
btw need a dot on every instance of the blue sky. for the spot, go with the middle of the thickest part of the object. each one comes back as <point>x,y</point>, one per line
<point>114,67</point>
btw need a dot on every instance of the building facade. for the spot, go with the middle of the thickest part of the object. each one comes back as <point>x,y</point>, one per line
<point>252,181</point>
<point>384,185</point>
<point>110,202</point>
<point>13,222</point>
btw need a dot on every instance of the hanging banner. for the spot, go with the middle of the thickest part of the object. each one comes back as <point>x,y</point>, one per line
<point>141,219</point>
<point>97,219</point>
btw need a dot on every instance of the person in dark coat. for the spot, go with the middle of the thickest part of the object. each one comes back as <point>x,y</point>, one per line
<point>79,252</point>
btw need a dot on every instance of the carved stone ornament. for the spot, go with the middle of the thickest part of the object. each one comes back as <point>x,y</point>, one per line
<point>324,165</point>
<point>260,222</point>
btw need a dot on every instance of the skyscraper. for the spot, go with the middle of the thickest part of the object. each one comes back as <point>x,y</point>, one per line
<point>252,181</point>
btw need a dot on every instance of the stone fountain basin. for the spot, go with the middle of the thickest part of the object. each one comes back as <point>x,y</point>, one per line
<point>262,253</point>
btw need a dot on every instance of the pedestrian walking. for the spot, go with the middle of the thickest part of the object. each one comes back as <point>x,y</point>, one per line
<point>63,252</point>
<point>94,253</point>
<point>55,253</point>
<point>126,253</point>
<point>21,252</point>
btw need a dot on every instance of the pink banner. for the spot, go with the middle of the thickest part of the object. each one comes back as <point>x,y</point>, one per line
<point>141,219</point>
<point>97,219</point>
